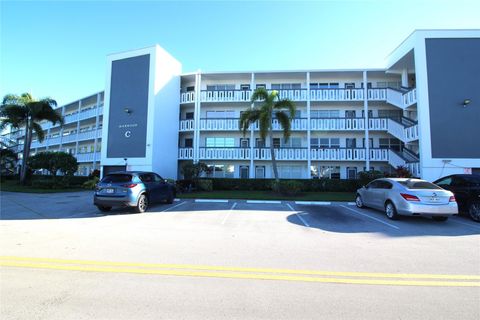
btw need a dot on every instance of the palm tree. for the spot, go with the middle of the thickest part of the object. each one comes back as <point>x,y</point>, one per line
<point>271,106</point>
<point>25,112</point>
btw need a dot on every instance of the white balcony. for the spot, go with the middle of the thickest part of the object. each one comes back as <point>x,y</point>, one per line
<point>88,157</point>
<point>401,99</point>
<point>401,132</point>
<point>187,97</point>
<point>292,154</point>
<point>225,96</point>
<point>298,124</point>
<point>411,133</point>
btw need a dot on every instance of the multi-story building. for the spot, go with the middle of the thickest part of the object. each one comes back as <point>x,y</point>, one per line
<point>422,112</point>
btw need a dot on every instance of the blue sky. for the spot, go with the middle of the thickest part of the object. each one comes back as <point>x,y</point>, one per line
<point>59,48</point>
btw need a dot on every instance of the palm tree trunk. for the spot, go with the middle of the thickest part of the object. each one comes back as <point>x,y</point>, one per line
<point>26,152</point>
<point>274,161</point>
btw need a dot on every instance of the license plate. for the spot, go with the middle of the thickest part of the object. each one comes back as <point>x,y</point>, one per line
<point>433,199</point>
<point>109,190</point>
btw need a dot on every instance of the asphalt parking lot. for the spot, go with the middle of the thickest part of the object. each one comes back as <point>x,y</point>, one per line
<point>233,259</point>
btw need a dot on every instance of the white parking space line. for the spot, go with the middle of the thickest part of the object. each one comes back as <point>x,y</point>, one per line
<point>320,203</point>
<point>178,205</point>
<point>466,224</point>
<point>229,212</point>
<point>351,203</point>
<point>176,200</point>
<point>212,200</point>
<point>265,201</point>
<point>299,216</point>
<point>378,220</point>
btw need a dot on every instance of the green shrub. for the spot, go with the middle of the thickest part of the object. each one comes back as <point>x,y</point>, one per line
<point>90,184</point>
<point>366,176</point>
<point>49,184</point>
<point>204,185</point>
<point>287,187</point>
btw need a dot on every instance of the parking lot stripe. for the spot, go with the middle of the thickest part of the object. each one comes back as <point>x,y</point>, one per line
<point>321,203</point>
<point>211,200</point>
<point>174,206</point>
<point>265,201</point>
<point>229,212</point>
<point>299,216</point>
<point>195,272</point>
<point>366,215</point>
<point>351,203</point>
<point>467,224</point>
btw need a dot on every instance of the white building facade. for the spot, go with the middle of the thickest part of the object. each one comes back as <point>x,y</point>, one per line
<point>421,112</point>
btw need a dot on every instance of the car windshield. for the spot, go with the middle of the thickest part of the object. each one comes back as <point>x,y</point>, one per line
<point>416,184</point>
<point>117,178</point>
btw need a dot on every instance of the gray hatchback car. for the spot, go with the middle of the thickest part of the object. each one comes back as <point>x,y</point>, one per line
<point>404,196</point>
<point>135,189</point>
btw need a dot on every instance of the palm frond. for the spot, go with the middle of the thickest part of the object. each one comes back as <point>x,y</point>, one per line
<point>259,94</point>
<point>264,123</point>
<point>286,104</point>
<point>285,122</point>
<point>38,131</point>
<point>248,118</point>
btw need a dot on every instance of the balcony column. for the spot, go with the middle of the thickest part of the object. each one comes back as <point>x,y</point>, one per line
<point>405,77</point>
<point>365,108</point>
<point>251,172</point>
<point>47,139</point>
<point>78,127</point>
<point>61,131</point>
<point>196,118</point>
<point>95,141</point>
<point>309,157</point>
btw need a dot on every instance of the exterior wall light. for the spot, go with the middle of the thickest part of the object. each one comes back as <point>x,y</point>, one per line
<point>465,102</point>
<point>127,110</point>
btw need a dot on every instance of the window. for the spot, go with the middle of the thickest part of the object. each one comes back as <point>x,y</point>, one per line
<point>188,143</point>
<point>222,114</point>
<point>325,114</point>
<point>349,113</point>
<point>370,145</point>
<point>350,85</point>
<point>291,143</point>
<point>394,114</point>
<point>244,142</point>
<point>351,172</point>
<point>289,172</point>
<point>220,142</point>
<point>325,142</point>
<point>244,172</point>
<point>276,143</point>
<point>189,115</point>
<point>370,113</point>
<point>286,86</point>
<point>221,171</point>
<point>351,142</point>
<point>190,88</point>
<point>369,85</point>
<point>326,172</point>
<point>245,87</point>
<point>220,87</point>
<point>416,184</point>
<point>259,143</point>
<point>324,85</point>
<point>445,182</point>
<point>260,172</point>
<point>263,85</point>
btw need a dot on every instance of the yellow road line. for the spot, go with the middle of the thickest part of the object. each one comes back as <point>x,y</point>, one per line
<point>243,269</point>
<point>243,276</point>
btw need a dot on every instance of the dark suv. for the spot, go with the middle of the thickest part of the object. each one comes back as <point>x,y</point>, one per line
<point>135,189</point>
<point>466,188</point>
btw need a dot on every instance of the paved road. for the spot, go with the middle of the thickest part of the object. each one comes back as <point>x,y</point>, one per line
<point>61,259</point>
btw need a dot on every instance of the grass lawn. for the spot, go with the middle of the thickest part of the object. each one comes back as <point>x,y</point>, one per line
<point>15,186</point>
<point>268,195</point>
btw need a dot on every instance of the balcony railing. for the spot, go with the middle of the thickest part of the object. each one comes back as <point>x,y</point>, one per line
<point>402,132</point>
<point>298,124</point>
<point>86,135</point>
<point>400,98</point>
<point>337,94</point>
<point>334,154</point>
<point>88,157</point>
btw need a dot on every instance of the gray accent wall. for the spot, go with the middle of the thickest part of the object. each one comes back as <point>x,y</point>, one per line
<point>453,69</point>
<point>127,131</point>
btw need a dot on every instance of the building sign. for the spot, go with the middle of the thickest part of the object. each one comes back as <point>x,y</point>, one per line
<point>127,126</point>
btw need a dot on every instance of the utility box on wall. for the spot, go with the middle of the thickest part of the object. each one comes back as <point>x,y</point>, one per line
<point>140,119</point>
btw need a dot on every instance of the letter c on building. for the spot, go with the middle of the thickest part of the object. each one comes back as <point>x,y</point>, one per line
<point>128,133</point>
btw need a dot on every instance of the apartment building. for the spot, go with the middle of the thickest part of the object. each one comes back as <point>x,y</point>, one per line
<point>421,111</point>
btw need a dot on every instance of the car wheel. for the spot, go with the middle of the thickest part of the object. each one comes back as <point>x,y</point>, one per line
<point>359,201</point>
<point>474,211</point>
<point>391,211</point>
<point>142,204</point>
<point>440,218</point>
<point>104,209</point>
<point>170,198</point>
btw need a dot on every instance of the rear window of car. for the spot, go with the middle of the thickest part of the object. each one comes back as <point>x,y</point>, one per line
<point>419,184</point>
<point>117,178</point>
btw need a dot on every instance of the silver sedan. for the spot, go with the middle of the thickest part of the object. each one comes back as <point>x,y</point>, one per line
<point>404,196</point>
